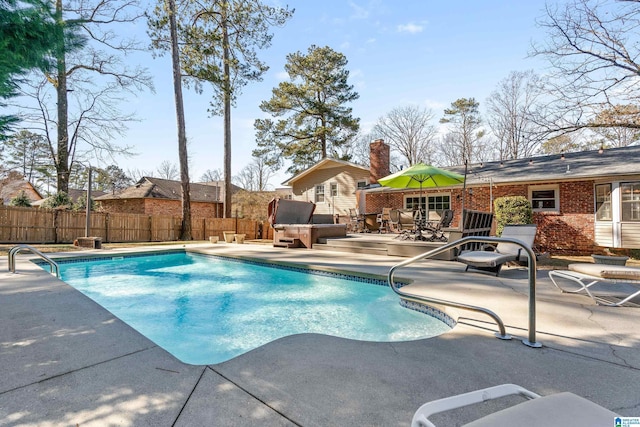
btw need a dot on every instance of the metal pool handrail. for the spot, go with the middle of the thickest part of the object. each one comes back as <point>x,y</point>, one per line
<point>531,266</point>
<point>55,269</point>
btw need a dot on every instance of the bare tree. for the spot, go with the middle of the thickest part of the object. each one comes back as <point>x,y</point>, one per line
<point>593,49</point>
<point>211,175</point>
<point>621,135</point>
<point>408,131</point>
<point>137,174</point>
<point>167,170</point>
<point>76,104</point>
<point>255,176</point>
<point>512,113</point>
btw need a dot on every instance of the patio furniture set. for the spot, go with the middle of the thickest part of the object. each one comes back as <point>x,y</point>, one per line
<point>407,223</point>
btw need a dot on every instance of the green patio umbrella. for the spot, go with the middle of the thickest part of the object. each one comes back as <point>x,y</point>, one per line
<point>421,176</point>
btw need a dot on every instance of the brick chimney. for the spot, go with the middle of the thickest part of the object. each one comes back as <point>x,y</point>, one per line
<point>379,160</point>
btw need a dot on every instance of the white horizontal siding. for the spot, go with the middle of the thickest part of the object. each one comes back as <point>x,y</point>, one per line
<point>604,234</point>
<point>630,232</point>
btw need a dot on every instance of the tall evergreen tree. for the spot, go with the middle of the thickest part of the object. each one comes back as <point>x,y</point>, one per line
<point>218,44</point>
<point>316,121</point>
<point>463,142</point>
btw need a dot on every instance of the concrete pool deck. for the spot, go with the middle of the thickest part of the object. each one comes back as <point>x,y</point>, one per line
<point>67,361</point>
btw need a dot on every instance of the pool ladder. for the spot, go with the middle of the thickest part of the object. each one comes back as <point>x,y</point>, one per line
<point>531,266</point>
<point>53,266</point>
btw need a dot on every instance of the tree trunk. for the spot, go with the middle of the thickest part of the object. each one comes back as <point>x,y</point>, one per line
<point>185,233</point>
<point>62,160</point>
<point>227,113</point>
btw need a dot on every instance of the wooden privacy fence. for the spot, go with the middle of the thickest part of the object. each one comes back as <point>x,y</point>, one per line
<point>36,225</point>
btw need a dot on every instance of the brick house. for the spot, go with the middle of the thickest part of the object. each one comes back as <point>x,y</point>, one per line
<point>583,202</point>
<point>155,196</point>
<point>335,186</point>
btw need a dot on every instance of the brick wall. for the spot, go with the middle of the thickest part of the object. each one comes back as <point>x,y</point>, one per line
<point>570,232</point>
<point>379,160</point>
<point>159,207</point>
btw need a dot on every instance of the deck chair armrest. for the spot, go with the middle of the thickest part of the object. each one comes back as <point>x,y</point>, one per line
<point>420,418</point>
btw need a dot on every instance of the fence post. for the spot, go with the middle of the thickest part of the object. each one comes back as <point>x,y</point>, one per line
<point>106,227</point>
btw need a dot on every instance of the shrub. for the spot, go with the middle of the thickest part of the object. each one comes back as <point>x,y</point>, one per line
<point>61,199</point>
<point>21,200</point>
<point>512,210</point>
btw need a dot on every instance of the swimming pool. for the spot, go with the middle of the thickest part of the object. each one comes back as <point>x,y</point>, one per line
<point>208,309</point>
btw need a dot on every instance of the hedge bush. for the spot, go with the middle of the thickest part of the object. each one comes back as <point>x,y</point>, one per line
<point>512,210</point>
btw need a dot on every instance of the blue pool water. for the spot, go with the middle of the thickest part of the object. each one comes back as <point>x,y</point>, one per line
<point>207,310</point>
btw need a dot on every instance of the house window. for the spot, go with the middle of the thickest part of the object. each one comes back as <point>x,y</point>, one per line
<point>334,189</point>
<point>414,203</point>
<point>603,202</point>
<point>361,184</point>
<point>319,193</point>
<point>439,203</point>
<point>436,203</point>
<point>630,201</point>
<point>544,198</point>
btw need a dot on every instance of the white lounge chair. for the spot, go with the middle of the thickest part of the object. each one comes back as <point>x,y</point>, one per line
<point>504,252</point>
<point>561,410</point>
<point>586,275</point>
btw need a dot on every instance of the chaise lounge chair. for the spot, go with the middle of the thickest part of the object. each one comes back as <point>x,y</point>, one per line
<point>561,409</point>
<point>586,275</point>
<point>504,252</point>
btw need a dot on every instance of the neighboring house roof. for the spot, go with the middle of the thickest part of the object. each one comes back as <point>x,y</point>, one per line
<point>323,164</point>
<point>578,165</point>
<point>11,189</point>
<point>74,195</point>
<point>156,188</point>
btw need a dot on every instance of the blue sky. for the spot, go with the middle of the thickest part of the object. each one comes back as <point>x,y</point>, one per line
<point>426,53</point>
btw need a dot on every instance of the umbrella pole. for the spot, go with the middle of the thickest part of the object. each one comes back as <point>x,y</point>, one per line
<point>464,190</point>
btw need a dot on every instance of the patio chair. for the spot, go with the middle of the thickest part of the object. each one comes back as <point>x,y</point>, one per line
<point>384,219</point>
<point>436,229</point>
<point>620,280</point>
<point>493,261</point>
<point>356,221</point>
<point>556,410</point>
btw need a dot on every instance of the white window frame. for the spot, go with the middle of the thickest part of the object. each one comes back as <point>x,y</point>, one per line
<point>634,202</point>
<point>604,203</point>
<point>317,193</point>
<point>556,192</point>
<point>333,189</point>
<point>360,184</point>
<point>426,197</point>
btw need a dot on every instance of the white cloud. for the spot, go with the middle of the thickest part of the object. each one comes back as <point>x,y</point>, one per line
<point>345,46</point>
<point>282,76</point>
<point>359,12</point>
<point>410,28</point>
<point>434,105</point>
<point>371,40</point>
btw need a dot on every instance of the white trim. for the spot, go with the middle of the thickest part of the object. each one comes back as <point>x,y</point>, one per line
<point>616,213</point>
<point>316,194</point>
<point>556,192</point>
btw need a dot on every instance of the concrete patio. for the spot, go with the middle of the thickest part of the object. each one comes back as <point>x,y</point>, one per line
<point>67,361</point>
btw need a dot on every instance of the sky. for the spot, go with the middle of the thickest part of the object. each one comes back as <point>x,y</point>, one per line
<point>400,52</point>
